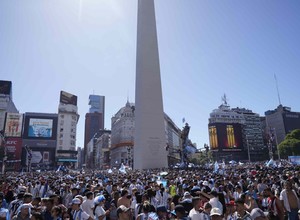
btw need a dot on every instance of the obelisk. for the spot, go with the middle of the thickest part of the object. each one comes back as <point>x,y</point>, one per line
<point>150,137</point>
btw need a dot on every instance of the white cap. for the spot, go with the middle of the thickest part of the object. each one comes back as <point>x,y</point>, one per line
<point>215,211</point>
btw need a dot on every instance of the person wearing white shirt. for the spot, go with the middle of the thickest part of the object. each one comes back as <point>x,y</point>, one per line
<point>214,201</point>
<point>88,204</point>
<point>194,213</point>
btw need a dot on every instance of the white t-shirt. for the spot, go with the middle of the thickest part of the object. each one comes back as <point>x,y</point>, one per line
<point>194,215</point>
<point>88,206</point>
<point>99,212</point>
<point>80,215</point>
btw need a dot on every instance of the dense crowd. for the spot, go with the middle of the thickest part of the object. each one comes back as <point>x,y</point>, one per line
<point>248,191</point>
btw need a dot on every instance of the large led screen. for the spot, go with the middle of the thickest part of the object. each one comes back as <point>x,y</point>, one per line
<point>13,125</point>
<point>40,128</point>
<point>227,137</point>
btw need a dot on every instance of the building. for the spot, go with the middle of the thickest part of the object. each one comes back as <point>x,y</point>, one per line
<point>236,134</point>
<point>66,153</point>
<point>6,101</point>
<point>253,134</point>
<point>39,141</point>
<point>98,150</point>
<point>94,120</point>
<point>102,149</point>
<point>11,124</point>
<point>173,136</point>
<point>122,136</point>
<point>281,121</point>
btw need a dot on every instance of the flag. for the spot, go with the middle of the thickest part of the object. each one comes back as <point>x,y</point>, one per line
<point>122,169</point>
<point>216,167</point>
<point>58,169</point>
<point>183,120</point>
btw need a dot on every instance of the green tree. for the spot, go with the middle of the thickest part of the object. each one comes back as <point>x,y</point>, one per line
<point>290,146</point>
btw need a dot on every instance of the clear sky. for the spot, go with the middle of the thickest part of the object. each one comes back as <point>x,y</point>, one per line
<point>207,48</point>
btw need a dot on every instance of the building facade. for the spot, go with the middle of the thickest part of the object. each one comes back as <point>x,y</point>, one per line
<point>94,120</point>
<point>6,101</point>
<point>236,134</point>
<point>281,121</point>
<point>122,136</point>
<point>66,152</point>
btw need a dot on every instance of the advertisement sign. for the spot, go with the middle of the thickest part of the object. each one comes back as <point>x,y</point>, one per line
<point>13,152</point>
<point>68,98</point>
<point>46,156</point>
<point>39,127</point>
<point>13,125</point>
<point>5,87</point>
<point>295,160</point>
<point>227,137</point>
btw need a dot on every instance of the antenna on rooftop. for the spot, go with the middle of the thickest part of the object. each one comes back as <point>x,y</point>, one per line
<point>277,89</point>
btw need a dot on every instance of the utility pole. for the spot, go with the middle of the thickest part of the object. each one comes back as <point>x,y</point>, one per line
<point>3,144</point>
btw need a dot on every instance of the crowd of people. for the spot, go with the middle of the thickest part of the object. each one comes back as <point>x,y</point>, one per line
<point>249,192</point>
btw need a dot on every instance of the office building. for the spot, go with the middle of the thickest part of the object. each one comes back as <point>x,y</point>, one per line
<point>66,152</point>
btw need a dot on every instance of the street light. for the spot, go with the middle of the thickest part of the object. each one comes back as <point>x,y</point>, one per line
<point>248,149</point>
<point>3,142</point>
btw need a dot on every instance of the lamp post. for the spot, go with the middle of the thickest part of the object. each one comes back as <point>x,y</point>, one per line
<point>3,144</point>
<point>249,159</point>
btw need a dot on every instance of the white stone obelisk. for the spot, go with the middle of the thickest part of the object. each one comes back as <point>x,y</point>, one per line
<point>150,137</point>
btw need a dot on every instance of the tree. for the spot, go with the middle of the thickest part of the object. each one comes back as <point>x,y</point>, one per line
<point>290,145</point>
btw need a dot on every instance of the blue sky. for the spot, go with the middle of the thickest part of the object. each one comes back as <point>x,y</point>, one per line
<point>207,48</point>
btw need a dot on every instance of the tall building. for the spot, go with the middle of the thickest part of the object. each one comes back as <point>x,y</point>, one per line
<point>122,136</point>
<point>94,120</point>
<point>6,101</point>
<point>11,123</point>
<point>253,134</point>
<point>236,134</point>
<point>150,139</point>
<point>67,129</point>
<point>282,121</point>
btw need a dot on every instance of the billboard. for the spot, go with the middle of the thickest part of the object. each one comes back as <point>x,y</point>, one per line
<point>40,127</point>
<point>13,151</point>
<point>39,157</point>
<point>227,137</point>
<point>13,125</point>
<point>5,87</point>
<point>68,98</point>
<point>295,160</point>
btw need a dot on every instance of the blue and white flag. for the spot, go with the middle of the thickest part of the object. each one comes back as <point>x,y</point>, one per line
<point>216,167</point>
<point>122,169</point>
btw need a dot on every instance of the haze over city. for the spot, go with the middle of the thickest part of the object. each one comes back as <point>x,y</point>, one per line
<point>206,49</point>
